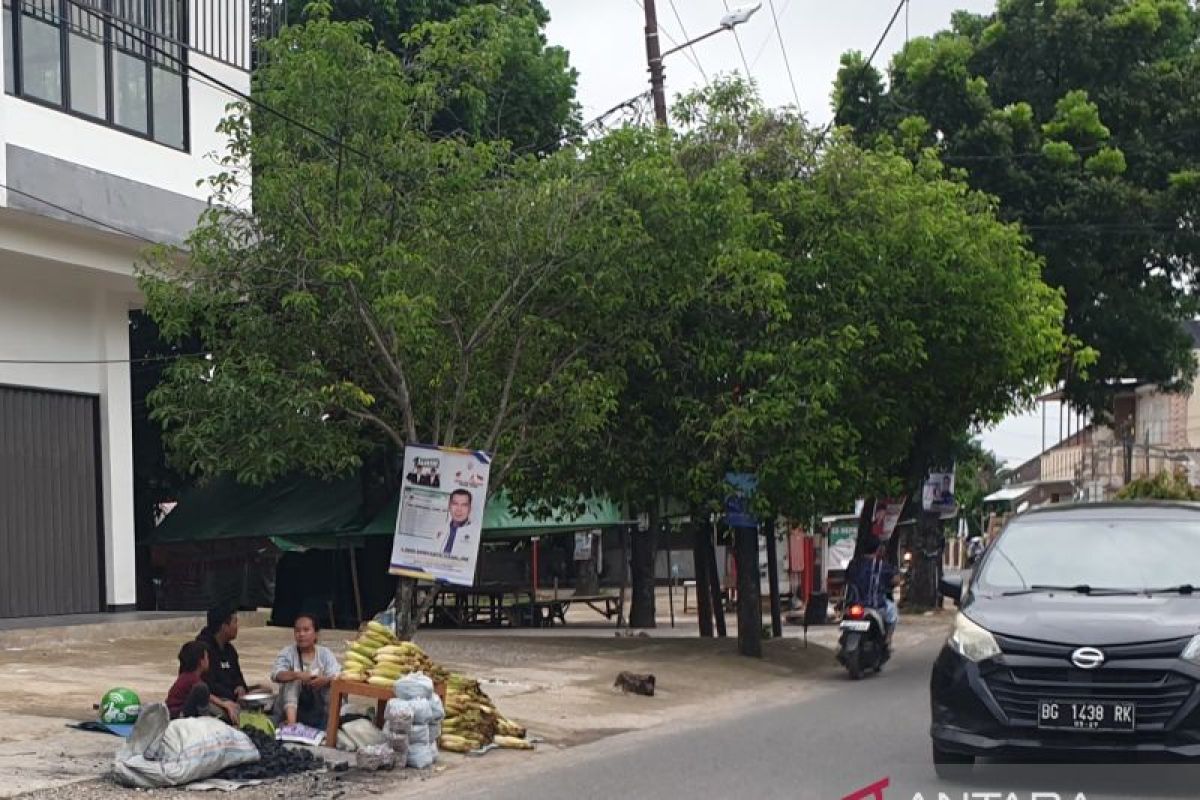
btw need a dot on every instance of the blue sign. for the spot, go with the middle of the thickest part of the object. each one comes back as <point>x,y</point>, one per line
<point>737,506</point>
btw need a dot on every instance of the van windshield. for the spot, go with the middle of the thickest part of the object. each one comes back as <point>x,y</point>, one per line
<point>1130,554</point>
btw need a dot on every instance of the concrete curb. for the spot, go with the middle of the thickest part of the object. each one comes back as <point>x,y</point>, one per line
<point>102,630</point>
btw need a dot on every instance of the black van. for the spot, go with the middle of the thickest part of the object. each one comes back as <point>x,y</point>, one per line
<point>1079,631</point>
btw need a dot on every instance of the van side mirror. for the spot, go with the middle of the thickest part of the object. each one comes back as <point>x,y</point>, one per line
<point>952,587</point>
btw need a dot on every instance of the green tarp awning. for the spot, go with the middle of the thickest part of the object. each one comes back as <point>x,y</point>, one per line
<point>310,513</point>
<point>225,509</point>
<point>500,521</point>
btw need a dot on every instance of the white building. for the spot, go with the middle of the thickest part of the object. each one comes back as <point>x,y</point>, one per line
<point>107,127</point>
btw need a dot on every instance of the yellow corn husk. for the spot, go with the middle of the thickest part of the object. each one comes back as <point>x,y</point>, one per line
<point>381,630</point>
<point>368,643</point>
<point>357,677</point>
<point>384,673</point>
<point>512,743</point>
<point>355,656</point>
<point>506,727</point>
<point>454,744</point>
<point>390,650</point>
<point>380,680</point>
<point>377,638</point>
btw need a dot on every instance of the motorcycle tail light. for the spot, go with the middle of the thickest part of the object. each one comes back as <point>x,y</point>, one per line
<point>856,612</point>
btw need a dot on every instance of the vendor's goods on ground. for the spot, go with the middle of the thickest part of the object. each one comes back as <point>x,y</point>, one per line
<point>275,760</point>
<point>471,721</point>
<point>162,752</point>
<point>379,658</point>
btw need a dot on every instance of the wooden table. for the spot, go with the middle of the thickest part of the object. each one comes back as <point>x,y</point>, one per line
<point>340,689</point>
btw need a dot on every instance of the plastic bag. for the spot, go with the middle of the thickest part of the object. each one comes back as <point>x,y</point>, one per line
<point>422,756</point>
<point>161,752</point>
<point>414,686</point>
<point>420,735</point>
<point>398,716</point>
<point>376,756</point>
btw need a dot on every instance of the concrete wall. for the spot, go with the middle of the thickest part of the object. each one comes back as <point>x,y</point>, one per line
<point>55,310</point>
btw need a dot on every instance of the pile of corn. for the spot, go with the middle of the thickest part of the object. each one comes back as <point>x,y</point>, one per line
<point>378,657</point>
<point>472,720</point>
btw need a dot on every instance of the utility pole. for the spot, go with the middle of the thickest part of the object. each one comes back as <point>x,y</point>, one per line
<point>654,59</point>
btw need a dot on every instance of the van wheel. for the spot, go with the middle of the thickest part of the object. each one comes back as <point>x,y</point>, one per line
<point>952,766</point>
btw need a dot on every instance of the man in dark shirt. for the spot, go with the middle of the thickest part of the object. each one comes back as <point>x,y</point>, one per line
<point>224,677</point>
<point>870,578</point>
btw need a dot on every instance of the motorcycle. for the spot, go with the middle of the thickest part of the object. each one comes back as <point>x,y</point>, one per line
<point>863,643</point>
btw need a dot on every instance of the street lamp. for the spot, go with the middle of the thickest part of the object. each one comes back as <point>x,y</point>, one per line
<point>655,56</point>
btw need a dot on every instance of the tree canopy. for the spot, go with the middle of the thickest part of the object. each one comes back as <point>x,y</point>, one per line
<point>489,61</point>
<point>1083,118</point>
<point>388,286</point>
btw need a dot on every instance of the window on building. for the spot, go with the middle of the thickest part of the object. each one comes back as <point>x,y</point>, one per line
<point>7,46</point>
<point>120,62</point>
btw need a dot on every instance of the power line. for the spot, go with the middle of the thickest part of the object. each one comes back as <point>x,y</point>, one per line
<point>762,48</point>
<point>737,38</point>
<point>783,49</point>
<point>100,223</point>
<point>691,47</point>
<point>99,361</point>
<point>667,35</point>
<point>886,31</point>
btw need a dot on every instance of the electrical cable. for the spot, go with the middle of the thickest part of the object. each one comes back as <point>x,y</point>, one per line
<point>786,61</point>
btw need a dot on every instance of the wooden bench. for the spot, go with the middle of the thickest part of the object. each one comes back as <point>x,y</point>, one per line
<point>340,689</point>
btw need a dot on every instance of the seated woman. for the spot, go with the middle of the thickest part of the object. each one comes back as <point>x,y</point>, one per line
<point>305,670</point>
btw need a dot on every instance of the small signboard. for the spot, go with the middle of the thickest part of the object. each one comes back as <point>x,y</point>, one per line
<point>439,524</point>
<point>737,506</point>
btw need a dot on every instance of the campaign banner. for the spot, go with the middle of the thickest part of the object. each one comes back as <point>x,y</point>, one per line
<point>842,539</point>
<point>439,524</point>
<point>583,546</point>
<point>886,517</point>
<point>937,495</point>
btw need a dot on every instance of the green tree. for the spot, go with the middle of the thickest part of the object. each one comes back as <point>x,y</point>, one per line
<point>1083,118</point>
<point>391,288</point>
<point>912,315</point>
<point>488,60</point>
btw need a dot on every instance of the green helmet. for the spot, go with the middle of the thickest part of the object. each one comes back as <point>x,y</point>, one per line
<point>120,707</point>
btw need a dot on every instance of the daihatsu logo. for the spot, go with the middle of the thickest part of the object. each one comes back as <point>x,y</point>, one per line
<point>1087,658</point>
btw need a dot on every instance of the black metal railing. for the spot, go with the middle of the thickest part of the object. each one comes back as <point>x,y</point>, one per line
<point>230,31</point>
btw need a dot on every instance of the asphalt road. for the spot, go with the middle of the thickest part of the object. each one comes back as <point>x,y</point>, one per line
<point>843,737</point>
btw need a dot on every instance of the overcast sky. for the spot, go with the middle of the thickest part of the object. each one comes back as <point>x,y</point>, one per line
<point>607,46</point>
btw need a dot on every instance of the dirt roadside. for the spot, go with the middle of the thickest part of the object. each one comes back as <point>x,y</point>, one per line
<point>558,684</point>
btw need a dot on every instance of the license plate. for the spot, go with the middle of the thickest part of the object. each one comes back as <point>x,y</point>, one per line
<point>1087,715</point>
<point>856,625</point>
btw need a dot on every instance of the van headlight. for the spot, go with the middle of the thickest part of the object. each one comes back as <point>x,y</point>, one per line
<point>973,642</point>
<point>1192,651</point>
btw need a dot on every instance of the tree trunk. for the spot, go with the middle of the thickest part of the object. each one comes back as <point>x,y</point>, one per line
<point>412,604</point>
<point>927,553</point>
<point>714,582</point>
<point>641,608</point>
<point>704,599</point>
<point>749,596</point>
<point>587,576</point>
<point>773,583</point>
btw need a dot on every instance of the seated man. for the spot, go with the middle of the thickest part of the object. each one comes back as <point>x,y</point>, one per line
<point>224,676</point>
<point>869,581</point>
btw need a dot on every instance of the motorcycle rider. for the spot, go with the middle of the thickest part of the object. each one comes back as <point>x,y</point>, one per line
<point>870,578</point>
